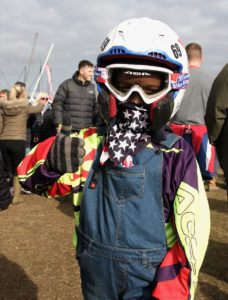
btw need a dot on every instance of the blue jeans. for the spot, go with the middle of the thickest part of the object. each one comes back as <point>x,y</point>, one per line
<point>111,274</point>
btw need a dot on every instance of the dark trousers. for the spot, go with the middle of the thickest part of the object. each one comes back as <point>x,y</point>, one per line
<point>5,197</point>
<point>13,151</point>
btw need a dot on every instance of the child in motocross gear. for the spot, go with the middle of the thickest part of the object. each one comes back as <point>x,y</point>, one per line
<point>141,213</point>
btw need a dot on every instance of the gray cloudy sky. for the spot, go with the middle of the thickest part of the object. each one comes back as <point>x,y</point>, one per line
<point>77,29</point>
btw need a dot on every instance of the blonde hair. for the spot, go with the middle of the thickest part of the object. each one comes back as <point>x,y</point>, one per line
<point>17,92</point>
<point>42,95</point>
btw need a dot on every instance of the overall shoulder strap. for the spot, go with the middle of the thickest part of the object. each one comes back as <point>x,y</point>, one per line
<point>171,139</point>
<point>101,131</point>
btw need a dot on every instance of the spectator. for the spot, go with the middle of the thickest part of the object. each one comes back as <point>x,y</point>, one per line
<point>4,94</point>
<point>189,119</point>
<point>144,217</point>
<point>216,119</point>
<point>29,124</point>
<point>77,97</point>
<point>44,126</point>
<point>13,117</point>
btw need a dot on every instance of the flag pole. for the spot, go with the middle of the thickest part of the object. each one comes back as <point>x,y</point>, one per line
<point>38,80</point>
<point>30,60</point>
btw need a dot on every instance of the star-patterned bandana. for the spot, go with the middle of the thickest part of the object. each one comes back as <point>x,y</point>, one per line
<point>130,133</point>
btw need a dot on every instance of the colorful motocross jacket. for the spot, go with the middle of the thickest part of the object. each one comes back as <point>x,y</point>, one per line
<point>186,211</point>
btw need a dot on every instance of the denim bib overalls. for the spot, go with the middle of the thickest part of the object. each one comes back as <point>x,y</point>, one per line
<point>121,236</point>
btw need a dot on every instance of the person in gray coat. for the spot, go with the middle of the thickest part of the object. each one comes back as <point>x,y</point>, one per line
<point>216,119</point>
<point>77,97</point>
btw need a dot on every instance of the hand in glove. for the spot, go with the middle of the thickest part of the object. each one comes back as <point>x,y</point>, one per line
<point>66,153</point>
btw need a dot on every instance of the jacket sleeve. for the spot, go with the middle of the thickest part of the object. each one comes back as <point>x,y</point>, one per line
<point>33,174</point>
<point>177,276</point>
<point>59,103</point>
<point>217,106</point>
<point>36,126</point>
<point>36,108</point>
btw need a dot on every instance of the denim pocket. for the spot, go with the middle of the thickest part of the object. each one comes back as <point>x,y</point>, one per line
<point>124,184</point>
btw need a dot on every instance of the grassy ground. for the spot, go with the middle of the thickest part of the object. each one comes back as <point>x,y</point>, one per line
<point>37,259</point>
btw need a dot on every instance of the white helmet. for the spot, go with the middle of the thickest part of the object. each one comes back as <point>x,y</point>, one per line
<point>138,46</point>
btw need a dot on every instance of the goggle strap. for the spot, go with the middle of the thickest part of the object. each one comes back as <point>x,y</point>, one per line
<point>179,80</point>
<point>100,74</point>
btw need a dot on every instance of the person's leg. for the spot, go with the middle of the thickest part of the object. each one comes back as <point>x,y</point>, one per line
<point>5,197</point>
<point>212,182</point>
<point>6,159</point>
<point>97,276</point>
<point>226,182</point>
<point>222,158</point>
<point>17,153</point>
<point>111,274</point>
<point>106,278</point>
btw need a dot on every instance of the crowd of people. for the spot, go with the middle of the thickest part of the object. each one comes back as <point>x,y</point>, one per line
<point>141,210</point>
<point>23,124</point>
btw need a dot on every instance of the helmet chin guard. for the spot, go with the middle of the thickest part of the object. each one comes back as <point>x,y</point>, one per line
<point>161,112</point>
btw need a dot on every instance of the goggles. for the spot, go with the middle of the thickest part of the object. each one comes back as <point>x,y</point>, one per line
<point>124,79</point>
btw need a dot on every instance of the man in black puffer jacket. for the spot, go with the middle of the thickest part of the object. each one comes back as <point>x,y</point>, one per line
<point>77,97</point>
